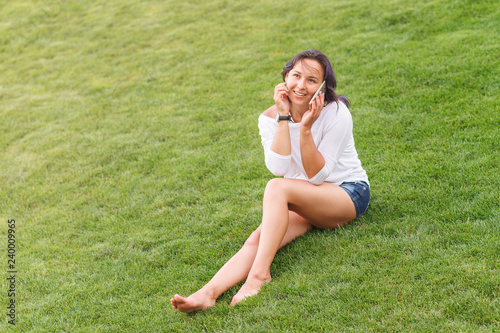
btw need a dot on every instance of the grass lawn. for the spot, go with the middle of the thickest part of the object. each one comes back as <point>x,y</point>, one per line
<point>132,163</point>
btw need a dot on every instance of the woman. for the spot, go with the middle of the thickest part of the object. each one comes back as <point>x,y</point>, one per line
<point>324,184</point>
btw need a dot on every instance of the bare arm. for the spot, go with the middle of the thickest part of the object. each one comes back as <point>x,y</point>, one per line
<point>281,144</point>
<point>312,159</point>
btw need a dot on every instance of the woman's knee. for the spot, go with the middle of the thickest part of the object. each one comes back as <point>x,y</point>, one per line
<point>275,186</point>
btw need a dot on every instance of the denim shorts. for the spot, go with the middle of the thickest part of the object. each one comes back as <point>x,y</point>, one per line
<point>360,195</point>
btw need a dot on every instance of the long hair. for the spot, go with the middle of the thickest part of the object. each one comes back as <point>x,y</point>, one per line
<point>328,76</point>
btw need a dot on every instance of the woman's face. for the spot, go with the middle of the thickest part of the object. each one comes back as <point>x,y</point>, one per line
<point>303,80</point>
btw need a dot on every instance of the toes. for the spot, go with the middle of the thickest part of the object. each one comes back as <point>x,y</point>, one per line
<point>237,298</point>
<point>179,299</point>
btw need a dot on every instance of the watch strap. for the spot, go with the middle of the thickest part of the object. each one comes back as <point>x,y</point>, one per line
<point>281,118</point>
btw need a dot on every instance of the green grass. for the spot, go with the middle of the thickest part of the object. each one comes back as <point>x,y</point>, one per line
<point>132,164</point>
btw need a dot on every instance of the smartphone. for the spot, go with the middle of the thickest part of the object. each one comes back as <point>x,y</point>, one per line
<point>321,88</point>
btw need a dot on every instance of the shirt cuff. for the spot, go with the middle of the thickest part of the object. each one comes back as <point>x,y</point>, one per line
<point>278,164</point>
<point>320,177</point>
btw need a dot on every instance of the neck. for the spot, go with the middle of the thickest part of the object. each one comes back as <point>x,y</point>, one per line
<point>297,112</point>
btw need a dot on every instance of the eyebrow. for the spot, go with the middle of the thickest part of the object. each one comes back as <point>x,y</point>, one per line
<point>312,76</point>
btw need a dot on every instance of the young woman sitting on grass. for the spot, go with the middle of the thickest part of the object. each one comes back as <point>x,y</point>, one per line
<point>324,184</point>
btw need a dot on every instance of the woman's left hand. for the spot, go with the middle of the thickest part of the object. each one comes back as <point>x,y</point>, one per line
<point>314,111</point>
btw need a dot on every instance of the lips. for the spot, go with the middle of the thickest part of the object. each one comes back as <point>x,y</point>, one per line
<point>299,94</point>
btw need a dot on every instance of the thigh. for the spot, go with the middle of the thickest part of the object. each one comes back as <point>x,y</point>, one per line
<point>324,206</point>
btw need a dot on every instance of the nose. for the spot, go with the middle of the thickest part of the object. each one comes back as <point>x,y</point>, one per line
<point>301,84</point>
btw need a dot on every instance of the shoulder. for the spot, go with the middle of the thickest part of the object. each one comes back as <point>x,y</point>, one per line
<point>271,112</point>
<point>336,114</point>
<point>267,120</point>
<point>336,110</point>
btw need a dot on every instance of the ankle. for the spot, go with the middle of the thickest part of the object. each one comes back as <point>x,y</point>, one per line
<point>209,293</point>
<point>260,276</point>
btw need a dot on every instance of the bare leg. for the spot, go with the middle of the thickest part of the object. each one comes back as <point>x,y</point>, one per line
<point>237,268</point>
<point>325,206</point>
<point>274,225</point>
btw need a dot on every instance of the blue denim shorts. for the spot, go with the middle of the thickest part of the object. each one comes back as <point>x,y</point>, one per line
<point>360,195</point>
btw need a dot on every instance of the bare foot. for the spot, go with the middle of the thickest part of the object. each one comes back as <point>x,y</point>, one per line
<point>250,287</point>
<point>197,301</point>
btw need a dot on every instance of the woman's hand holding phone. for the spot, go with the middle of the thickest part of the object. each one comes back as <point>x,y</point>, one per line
<point>281,99</point>
<point>315,107</point>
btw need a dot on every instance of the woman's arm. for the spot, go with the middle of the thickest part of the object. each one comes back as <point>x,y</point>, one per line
<point>312,159</point>
<point>279,161</point>
<point>281,143</point>
<point>335,137</point>
<point>276,136</point>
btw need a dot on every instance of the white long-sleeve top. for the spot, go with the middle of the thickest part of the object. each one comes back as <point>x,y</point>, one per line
<point>332,135</point>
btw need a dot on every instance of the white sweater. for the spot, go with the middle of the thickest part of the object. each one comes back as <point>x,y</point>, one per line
<point>332,134</point>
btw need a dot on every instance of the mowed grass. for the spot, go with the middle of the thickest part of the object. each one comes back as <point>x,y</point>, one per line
<point>132,164</point>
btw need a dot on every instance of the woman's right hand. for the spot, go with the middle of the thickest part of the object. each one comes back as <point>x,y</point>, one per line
<point>281,99</point>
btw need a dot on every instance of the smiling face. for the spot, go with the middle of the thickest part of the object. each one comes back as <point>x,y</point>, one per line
<point>303,80</point>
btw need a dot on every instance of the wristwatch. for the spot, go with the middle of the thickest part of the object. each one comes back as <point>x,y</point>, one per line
<point>280,118</point>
